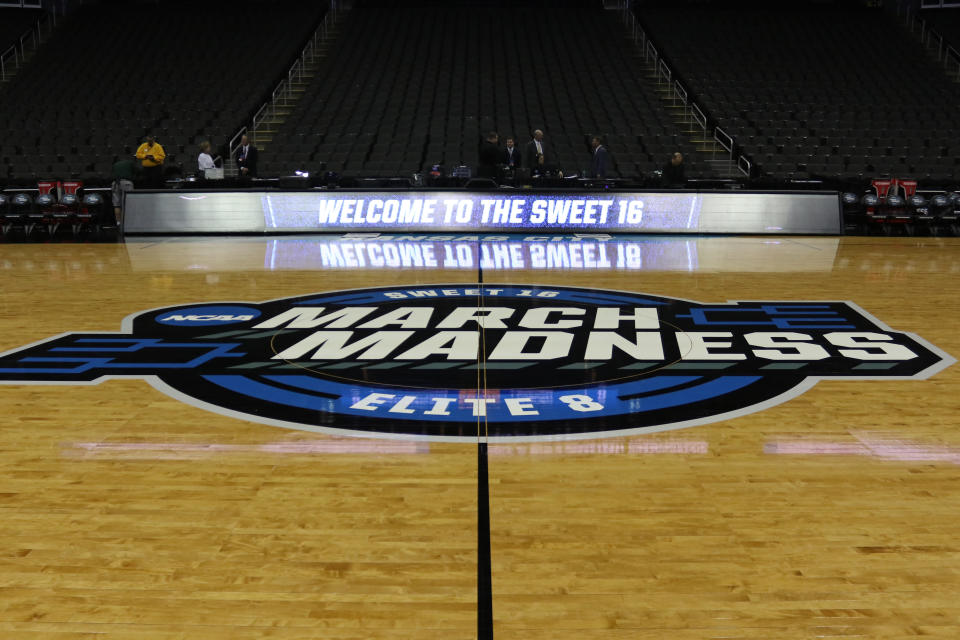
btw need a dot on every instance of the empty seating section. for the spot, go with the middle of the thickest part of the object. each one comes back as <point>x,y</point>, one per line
<point>186,71</point>
<point>405,89</point>
<point>817,91</point>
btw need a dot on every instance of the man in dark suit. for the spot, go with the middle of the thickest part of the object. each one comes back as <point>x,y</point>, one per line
<point>674,175</point>
<point>536,159</point>
<point>511,155</point>
<point>489,156</point>
<point>247,158</point>
<point>600,163</point>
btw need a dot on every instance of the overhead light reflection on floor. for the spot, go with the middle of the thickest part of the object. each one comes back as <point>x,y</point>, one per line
<point>175,451</point>
<point>605,447</point>
<point>361,446</point>
<point>869,445</point>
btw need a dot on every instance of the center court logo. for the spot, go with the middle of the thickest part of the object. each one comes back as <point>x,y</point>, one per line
<point>521,361</point>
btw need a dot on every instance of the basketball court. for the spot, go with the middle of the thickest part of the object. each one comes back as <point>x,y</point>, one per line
<point>131,511</point>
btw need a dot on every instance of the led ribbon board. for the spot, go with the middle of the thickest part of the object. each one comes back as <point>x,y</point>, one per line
<point>558,362</point>
<point>479,211</point>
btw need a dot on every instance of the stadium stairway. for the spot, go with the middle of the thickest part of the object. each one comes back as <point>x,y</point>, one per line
<point>17,27</point>
<point>717,162</point>
<point>938,32</point>
<point>262,135</point>
<point>406,89</point>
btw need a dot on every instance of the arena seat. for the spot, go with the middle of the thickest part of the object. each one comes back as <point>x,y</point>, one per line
<point>405,89</point>
<point>843,92</point>
<point>199,83</point>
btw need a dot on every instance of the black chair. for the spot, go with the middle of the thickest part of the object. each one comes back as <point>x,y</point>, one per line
<point>950,215</point>
<point>64,212</point>
<point>895,213</point>
<point>4,206</point>
<point>929,217</point>
<point>854,212</point>
<point>91,215</point>
<point>19,207</point>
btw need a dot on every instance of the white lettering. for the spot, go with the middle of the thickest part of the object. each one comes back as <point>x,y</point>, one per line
<point>439,407</point>
<point>401,406</point>
<point>600,345</point>
<point>486,317</point>
<point>372,401</point>
<point>537,318</point>
<point>520,407</point>
<point>332,345</point>
<point>695,346</point>
<point>479,405</point>
<point>869,346</point>
<point>798,346</point>
<point>456,345</point>
<point>310,318</point>
<point>556,344</point>
<point>404,317</point>
<point>642,318</point>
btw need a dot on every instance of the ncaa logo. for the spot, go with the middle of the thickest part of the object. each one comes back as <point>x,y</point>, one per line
<point>207,316</point>
<point>522,362</point>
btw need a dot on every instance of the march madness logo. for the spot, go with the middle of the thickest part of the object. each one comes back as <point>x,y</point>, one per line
<point>517,361</point>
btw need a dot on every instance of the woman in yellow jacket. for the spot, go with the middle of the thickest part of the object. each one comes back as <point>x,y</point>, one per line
<point>151,156</point>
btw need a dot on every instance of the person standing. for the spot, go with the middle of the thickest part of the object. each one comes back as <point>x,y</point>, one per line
<point>600,162</point>
<point>205,160</point>
<point>247,158</point>
<point>489,156</point>
<point>511,155</point>
<point>536,159</point>
<point>673,172</point>
<point>122,183</point>
<point>151,156</point>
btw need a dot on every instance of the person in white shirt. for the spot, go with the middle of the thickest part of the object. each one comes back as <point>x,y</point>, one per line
<point>205,160</point>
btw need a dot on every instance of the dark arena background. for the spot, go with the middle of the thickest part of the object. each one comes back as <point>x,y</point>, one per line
<point>525,320</point>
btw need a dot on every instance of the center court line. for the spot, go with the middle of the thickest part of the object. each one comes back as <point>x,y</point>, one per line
<point>484,565</point>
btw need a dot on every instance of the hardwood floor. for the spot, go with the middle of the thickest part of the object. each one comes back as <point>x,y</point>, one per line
<point>125,513</point>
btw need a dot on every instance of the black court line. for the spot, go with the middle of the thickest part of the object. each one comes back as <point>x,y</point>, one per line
<point>484,568</point>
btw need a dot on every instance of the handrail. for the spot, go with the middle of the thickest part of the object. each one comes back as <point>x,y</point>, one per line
<point>663,71</point>
<point>692,111</point>
<point>650,48</point>
<point>726,141</point>
<point>680,92</point>
<point>29,34</point>
<point>284,89</point>
<point>3,65</point>
<point>698,115</point>
<point>232,147</point>
<point>951,54</point>
<point>940,41</point>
